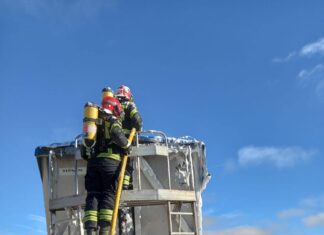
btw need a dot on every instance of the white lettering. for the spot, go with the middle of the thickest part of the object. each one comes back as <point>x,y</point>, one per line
<point>71,171</point>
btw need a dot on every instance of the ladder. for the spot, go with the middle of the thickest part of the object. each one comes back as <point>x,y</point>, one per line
<point>174,209</point>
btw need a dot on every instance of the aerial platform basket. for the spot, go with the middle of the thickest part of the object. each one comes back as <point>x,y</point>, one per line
<point>168,179</point>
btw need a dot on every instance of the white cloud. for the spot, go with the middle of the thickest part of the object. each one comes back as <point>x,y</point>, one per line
<point>315,72</point>
<point>242,230</point>
<point>315,75</point>
<point>314,220</point>
<point>313,48</point>
<point>279,157</point>
<point>306,206</point>
<point>310,49</point>
<point>292,212</point>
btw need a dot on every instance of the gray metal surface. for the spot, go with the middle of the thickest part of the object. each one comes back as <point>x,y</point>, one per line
<point>168,180</point>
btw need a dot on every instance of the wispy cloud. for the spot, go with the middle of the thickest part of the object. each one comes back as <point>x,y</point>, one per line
<point>231,215</point>
<point>279,157</point>
<point>290,213</point>
<point>61,9</point>
<point>37,218</point>
<point>242,230</point>
<point>314,220</point>
<point>212,221</point>
<point>209,211</point>
<point>309,211</point>
<point>316,72</point>
<point>308,50</point>
<point>313,202</point>
<point>313,77</point>
<point>285,59</point>
<point>29,229</point>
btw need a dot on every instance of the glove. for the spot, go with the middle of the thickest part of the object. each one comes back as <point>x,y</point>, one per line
<point>127,149</point>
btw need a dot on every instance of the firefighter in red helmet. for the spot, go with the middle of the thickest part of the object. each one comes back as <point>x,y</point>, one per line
<point>132,119</point>
<point>103,168</point>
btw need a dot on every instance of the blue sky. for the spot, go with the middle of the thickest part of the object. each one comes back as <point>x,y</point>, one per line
<point>247,78</point>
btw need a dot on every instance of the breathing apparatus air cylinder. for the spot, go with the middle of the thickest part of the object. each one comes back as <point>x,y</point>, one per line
<point>90,121</point>
<point>107,91</point>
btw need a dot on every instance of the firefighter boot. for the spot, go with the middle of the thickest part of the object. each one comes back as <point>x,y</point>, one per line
<point>91,231</point>
<point>104,230</point>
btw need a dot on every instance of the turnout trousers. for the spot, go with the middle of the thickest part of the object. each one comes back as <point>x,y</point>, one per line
<point>100,183</point>
<point>128,179</point>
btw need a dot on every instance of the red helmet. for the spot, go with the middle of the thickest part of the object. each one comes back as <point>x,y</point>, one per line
<point>124,92</point>
<point>111,105</point>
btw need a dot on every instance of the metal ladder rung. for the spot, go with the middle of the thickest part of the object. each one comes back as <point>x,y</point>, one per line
<point>181,213</point>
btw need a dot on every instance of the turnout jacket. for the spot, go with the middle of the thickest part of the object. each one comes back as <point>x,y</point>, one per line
<point>132,117</point>
<point>111,140</point>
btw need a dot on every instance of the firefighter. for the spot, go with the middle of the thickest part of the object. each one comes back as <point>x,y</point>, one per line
<point>132,119</point>
<point>103,168</point>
